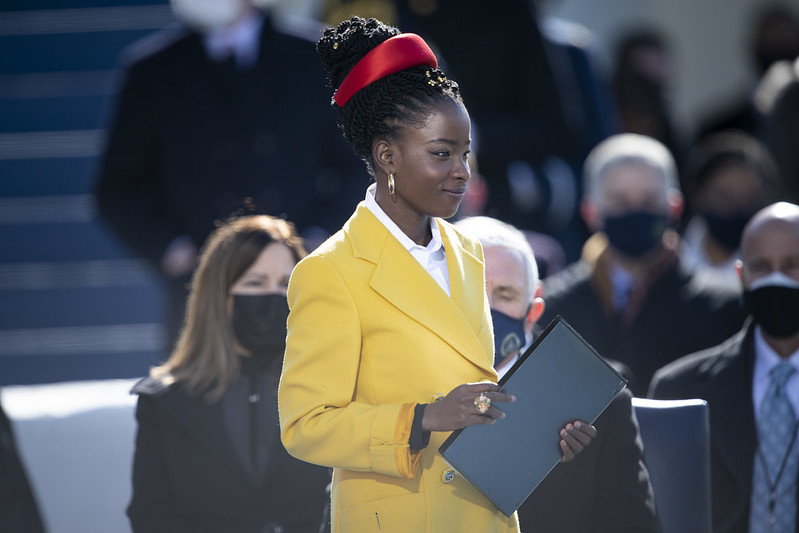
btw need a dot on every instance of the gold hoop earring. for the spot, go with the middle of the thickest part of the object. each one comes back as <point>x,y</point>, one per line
<point>391,183</point>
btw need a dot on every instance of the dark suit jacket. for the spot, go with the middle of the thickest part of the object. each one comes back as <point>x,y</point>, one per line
<point>191,141</point>
<point>605,488</point>
<point>722,375</point>
<point>680,315</point>
<point>188,478</point>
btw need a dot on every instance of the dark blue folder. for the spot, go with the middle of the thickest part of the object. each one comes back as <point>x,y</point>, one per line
<point>560,378</point>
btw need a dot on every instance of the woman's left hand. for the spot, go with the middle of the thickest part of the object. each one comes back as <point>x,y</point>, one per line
<point>574,437</point>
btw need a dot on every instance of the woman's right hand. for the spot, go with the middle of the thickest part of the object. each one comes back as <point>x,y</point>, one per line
<point>458,410</point>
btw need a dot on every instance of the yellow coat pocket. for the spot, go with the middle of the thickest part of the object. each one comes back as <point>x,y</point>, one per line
<point>400,514</point>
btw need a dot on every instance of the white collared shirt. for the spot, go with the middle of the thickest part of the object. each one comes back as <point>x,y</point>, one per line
<point>432,257</point>
<point>242,39</point>
<point>765,359</point>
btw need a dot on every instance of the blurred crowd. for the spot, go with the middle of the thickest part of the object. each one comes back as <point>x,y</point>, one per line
<point>636,225</point>
<point>228,114</point>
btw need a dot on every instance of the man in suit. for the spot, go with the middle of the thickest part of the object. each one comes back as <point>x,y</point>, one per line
<point>606,485</point>
<point>224,115</point>
<point>627,295</point>
<point>736,376</point>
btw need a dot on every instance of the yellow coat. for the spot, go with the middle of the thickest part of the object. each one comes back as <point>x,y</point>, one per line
<point>370,335</point>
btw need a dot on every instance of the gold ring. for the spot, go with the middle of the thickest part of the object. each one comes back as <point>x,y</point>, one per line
<point>483,403</point>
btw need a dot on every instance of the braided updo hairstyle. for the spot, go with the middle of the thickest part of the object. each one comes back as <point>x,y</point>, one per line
<point>376,111</point>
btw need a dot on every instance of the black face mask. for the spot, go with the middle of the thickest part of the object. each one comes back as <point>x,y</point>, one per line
<point>259,322</point>
<point>509,335</point>
<point>634,234</point>
<point>726,230</point>
<point>775,308</point>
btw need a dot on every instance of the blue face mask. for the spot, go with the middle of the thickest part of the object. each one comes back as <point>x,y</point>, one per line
<point>634,234</point>
<point>509,335</point>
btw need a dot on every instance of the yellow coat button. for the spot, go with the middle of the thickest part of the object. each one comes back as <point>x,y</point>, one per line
<point>447,475</point>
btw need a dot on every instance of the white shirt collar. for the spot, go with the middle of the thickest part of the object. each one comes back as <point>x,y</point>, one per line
<point>432,257</point>
<point>242,39</point>
<point>435,243</point>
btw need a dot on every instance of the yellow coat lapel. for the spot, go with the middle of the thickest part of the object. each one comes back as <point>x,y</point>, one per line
<point>463,265</point>
<point>456,320</point>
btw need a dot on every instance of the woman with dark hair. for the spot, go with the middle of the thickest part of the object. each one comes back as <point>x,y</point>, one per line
<point>390,343</point>
<point>208,455</point>
<point>729,177</point>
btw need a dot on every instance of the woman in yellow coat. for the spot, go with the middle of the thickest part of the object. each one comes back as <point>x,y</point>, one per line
<point>390,342</point>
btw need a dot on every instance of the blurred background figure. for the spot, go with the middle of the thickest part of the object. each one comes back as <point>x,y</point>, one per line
<point>783,128</point>
<point>628,296</point>
<point>225,114</point>
<point>550,255</point>
<point>642,82</point>
<point>208,452</point>
<point>774,37</point>
<point>751,383</point>
<point>607,485</point>
<point>729,177</point>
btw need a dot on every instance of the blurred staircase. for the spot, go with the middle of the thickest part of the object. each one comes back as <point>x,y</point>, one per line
<point>75,304</point>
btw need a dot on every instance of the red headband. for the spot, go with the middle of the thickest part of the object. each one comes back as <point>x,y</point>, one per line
<point>392,55</point>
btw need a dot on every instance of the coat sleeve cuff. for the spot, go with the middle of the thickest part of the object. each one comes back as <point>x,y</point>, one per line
<point>419,438</point>
<point>407,458</point>
<point>390,452</point>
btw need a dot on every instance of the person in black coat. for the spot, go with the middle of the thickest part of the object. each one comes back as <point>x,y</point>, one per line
<point>782,127</point>
<point>208,455</point>
<point>607,485</point>
<point>733,375</point>
<point>216,117</point>
<point>628,296</point>
<point>19,511</point>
